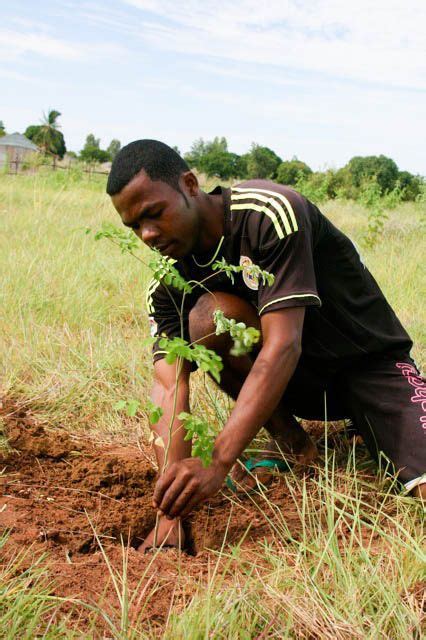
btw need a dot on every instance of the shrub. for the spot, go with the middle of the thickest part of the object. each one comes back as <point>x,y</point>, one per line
<point>291,171</point>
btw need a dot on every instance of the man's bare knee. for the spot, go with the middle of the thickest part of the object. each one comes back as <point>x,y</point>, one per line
<point>201,324</point>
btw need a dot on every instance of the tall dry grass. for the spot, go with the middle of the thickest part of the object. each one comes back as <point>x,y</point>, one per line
<point>72,310</point>
<point>72,326</point>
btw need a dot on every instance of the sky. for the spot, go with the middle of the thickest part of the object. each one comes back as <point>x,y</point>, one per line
<point>322,80</point>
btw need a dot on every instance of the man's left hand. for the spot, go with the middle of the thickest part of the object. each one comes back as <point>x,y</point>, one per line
<point>184,485</point>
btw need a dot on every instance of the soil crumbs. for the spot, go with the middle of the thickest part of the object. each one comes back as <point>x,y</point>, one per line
<point>57,491</point>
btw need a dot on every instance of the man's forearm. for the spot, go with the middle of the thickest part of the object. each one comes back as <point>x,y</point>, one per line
<point>256,402</point>
<point>171,402</point>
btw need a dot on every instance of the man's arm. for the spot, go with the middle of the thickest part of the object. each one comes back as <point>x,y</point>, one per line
<point>265,385</point>
<point>163,395</point>
<point>258,398</point>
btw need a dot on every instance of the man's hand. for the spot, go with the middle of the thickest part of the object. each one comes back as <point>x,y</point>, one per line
<point>185,484</point>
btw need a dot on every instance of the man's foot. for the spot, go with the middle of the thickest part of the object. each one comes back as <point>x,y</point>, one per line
<point>420,492</point>
<point>169,535</point>
<point>245,480</point>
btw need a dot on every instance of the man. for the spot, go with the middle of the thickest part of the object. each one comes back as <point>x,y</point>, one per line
<point>330,343</point>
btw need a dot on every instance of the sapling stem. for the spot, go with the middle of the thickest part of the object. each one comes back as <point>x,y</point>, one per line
<point>164,271</point>
<point>179,364</point>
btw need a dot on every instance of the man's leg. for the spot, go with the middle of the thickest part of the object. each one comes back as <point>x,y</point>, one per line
<point>386,399</point>
<point>288,437</point>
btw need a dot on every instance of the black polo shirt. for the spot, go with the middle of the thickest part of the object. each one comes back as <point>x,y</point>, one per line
<point>314,264</point>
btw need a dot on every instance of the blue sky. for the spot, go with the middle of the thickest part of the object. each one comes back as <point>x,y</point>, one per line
<point>322,80</point>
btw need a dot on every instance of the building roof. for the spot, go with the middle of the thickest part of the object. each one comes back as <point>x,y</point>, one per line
<point>17,140</point>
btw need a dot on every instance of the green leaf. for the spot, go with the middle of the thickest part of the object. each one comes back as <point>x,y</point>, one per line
<point>163,270</point>
<point>154,412</point>
<point>244,337</point>
<point>126,240</point>
<point>201,434</point>
<point>132,407</point>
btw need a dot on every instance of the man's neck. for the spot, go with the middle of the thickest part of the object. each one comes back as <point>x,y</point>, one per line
<point>212,222</point>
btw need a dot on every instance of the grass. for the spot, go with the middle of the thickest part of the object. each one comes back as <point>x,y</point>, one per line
<point>72,325</point>
<point>26,605</point>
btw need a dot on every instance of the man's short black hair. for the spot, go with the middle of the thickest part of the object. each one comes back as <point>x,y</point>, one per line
<point>158,160</point>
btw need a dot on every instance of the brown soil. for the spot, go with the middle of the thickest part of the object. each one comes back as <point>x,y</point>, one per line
<point>55,491</point>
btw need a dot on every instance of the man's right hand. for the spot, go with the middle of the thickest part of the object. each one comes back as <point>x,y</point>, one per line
<point>169,534</point>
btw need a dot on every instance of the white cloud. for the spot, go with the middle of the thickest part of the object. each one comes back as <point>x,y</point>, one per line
<point>15,44</point>
<point>374,41</point>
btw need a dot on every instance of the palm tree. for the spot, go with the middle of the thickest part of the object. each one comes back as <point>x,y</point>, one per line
<point>47,134</point>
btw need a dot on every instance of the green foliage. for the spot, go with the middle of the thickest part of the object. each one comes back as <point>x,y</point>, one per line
<point>126,240</point>
<point>253,270</point>
<point>195,154</point>
<point>380,168</point>
<point>47,136</point>
<point>154,412</point>
<point>221,164</point>
<point>92,151</point>
<point>241,170</point>
<point>206,359</point>
<point>262,162</point>
<point>213,158</point>
<point>291,171</point>
<point>113,148</point>
<point>244,337</point>
<point>2,129</point>
<point>202,435</point>
<point>411,186</point>
<point>317,187</point>
<point>163,270</point>
<point>377,217</point>
<point>131,407</point>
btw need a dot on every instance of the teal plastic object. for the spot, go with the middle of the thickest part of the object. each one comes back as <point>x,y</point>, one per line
<point>265,463</point>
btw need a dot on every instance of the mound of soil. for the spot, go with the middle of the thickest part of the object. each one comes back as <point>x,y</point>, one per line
<point>56,491</point>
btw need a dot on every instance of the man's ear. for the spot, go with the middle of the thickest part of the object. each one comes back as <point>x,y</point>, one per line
<point>189,183</point>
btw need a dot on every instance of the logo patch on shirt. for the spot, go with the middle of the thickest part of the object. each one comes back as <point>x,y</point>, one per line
<point>250,279</point>
<point>152,327</point>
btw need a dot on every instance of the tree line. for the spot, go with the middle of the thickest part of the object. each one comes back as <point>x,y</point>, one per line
<point>50,139</point>
<point>214,159</point>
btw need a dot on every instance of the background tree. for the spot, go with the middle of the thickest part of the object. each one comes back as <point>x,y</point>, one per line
<point>197,151</point>
<point>262,162</point>
<point>380,168</point>
<point>241,170</point>
<point>113,148</point>
<point>2,129</point>
<point>213,158</point>
<point>47,135</point>
<point>290,171</point>
<point>92,151</point>
<point>410,185</point>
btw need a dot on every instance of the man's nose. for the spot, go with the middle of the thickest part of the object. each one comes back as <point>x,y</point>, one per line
<point>149,234</point>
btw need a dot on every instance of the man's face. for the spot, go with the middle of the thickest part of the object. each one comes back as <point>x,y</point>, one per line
<point>159,215</point>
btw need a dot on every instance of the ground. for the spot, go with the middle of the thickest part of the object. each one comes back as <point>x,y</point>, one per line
<point>81,507</point>
<point>69,497</point>
<point>336,554</point>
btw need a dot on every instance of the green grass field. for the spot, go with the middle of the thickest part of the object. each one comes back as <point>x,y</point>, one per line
<point>72,325</point>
